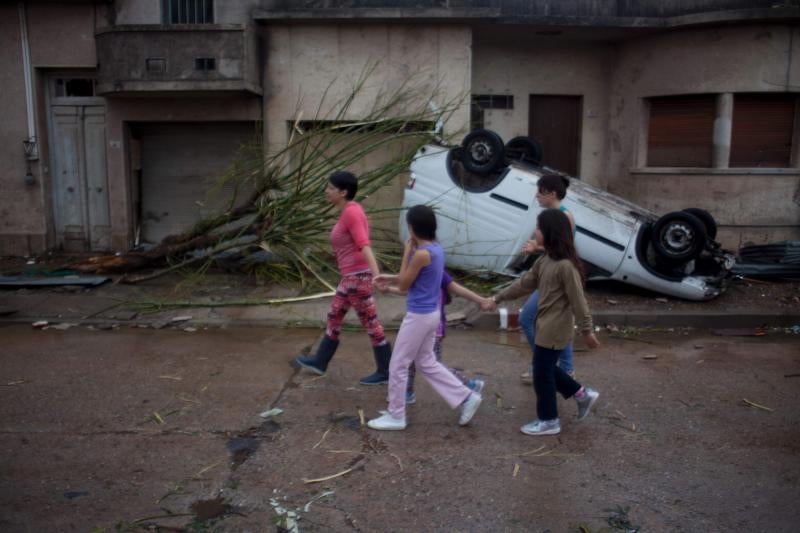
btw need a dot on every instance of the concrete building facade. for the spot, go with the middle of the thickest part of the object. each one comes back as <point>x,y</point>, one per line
<point>119,114</point>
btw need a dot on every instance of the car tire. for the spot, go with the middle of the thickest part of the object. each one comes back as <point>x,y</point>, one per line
<point>707,220</point>
<point>483,151</point>
<point>524,149</point>
<point>679,236</point>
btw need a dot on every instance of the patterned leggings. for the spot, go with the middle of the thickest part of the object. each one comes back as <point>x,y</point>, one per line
<point>355,290</point>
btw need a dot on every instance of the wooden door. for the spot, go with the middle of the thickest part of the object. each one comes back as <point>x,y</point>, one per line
<point>555,121</point>
<point>80,188</point>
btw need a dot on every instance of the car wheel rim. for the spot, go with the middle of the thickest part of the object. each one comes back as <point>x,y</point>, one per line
<point>678,238</point>
<point>481,152</point>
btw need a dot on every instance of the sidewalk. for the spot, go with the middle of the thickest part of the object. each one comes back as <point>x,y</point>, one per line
<point>744,305</point>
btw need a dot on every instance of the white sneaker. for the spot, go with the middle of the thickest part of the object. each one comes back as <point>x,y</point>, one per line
<point>585,404</point>
<point>387,422</point>
<point>469,408</point>
<point>542,427</point>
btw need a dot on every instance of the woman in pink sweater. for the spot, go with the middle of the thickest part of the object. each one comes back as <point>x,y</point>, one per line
<point>357,267</point>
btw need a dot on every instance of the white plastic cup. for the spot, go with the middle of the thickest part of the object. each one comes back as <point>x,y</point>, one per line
<point>503,311</point>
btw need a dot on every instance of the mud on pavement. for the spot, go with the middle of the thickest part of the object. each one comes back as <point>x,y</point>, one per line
<point>138,430</point>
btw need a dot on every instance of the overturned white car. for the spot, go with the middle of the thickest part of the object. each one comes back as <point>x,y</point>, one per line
<point>484,195</point>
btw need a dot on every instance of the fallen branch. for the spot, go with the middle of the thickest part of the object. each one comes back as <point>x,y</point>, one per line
<point>334,476</point>
<point>322,439</point>
<point>757,406</point>
<point>143,305</point>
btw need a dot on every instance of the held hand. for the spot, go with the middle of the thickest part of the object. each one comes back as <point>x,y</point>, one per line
<point>381,282</point>
<point>591,341</point>
<point>488,304</point>
<point>530,247</point>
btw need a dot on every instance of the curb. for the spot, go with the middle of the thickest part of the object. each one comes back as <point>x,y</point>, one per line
<point>483,321</point>
<point>639,319</point>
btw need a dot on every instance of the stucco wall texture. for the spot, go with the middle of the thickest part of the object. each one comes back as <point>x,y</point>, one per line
<point>60,36</point>
<point>304,60</point>
<point>615,77</point>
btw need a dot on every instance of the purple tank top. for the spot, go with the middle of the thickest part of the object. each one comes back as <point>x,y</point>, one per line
<point>425,293</point>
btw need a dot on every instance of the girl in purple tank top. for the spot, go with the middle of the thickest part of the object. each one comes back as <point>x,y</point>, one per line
<point>421,275</point>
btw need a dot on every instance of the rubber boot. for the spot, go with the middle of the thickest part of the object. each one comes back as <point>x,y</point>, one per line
<point>383,354</point>
<point>319,362</point>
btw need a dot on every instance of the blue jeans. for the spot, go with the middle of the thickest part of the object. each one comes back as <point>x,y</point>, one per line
<point>527,321</point>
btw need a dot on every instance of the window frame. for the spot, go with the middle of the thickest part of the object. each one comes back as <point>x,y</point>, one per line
<point>178,12</point>
<point>723,127</point>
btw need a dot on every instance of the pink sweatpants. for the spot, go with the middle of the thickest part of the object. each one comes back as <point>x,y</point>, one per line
<point>414,344</point>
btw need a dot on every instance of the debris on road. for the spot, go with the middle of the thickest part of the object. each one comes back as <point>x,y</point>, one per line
<point>39,324</point>
<point>755,405</point>
<point>287,519</point>
<point>182,318</point>
<point>740,332</point>
<point>64,326</point>
<point>275,411</point>
<point>325,494</point>
<point>357,463</point>
<point>650,356</point>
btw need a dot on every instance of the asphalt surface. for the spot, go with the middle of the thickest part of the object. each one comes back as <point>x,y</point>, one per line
<point>132,429</point>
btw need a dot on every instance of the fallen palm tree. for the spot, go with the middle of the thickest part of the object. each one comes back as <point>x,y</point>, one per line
<point>284,218</point>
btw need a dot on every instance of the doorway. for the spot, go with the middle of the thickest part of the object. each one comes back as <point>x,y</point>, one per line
<point>77,123</point>
<point>555,122</point>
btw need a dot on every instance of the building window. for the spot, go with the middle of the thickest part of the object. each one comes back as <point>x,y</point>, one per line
<point>488,101</point>
<point>205,63</point>
<point>73,87</point>
<point>187,11</point>
<point>762,130</point>
<point>156,65</point>
<point>681,131</point>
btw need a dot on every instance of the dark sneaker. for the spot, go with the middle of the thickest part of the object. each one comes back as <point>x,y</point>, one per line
<point>411,397</point>
<point>376,378</point>
<point>542,427</point>
<point>585,404</point>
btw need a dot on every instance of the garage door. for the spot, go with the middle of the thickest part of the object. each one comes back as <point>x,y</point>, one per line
<point>180,164</point>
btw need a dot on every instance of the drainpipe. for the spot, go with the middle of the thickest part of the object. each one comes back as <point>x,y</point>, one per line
<point>31,145</point>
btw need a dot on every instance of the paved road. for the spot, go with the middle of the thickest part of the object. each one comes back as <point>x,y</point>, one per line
<point>123,429</point>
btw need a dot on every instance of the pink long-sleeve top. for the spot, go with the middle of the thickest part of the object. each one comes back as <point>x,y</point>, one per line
<point>349,236</point>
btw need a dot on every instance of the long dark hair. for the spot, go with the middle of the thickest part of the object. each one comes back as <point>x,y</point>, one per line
<point>558,241</point>
<point>422,220</point>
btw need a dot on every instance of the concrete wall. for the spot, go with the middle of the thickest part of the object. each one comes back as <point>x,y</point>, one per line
<point>306,62</point>
<point>120,111</point>
<point>522,66</point>
<point>149,11</point>
<point>21,216</point>
<point>309,62</point>
<point>749,207</point>
<point>60,36</point>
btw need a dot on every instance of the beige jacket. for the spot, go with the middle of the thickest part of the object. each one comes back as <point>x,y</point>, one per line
<point>561,300</point>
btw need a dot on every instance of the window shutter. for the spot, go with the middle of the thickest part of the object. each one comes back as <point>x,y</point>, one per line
<point>762,130</point>
<point>681,131</point>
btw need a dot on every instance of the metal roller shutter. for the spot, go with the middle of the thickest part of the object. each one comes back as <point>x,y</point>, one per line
<point>681,131</point>
<point>762,130</point>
